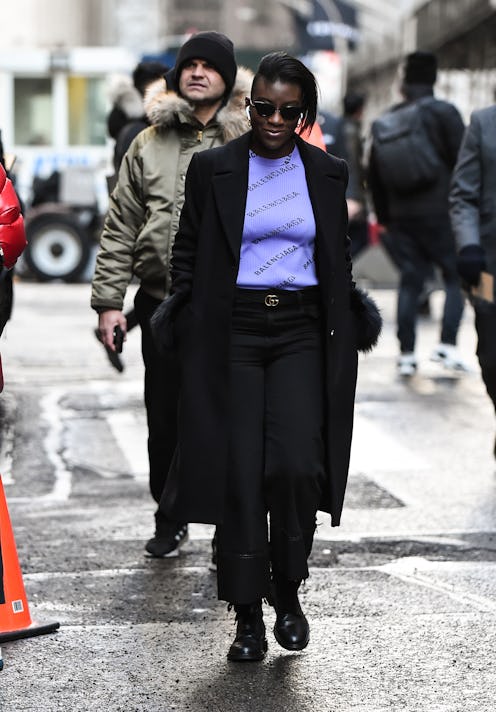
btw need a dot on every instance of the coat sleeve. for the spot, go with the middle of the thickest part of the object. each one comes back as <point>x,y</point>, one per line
<point>185,243</point>
<point>378,191</point>
<point>347,239</point>
<point>182,263</point>
<point>466,188</point>
<point>123,222</point>
<point>453,135</point>
<point>446,128</point>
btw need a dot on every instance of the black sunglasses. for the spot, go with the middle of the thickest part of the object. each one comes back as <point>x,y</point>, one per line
<point>266,109</point>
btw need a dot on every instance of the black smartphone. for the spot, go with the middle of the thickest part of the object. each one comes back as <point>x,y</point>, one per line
<point>118,338</point>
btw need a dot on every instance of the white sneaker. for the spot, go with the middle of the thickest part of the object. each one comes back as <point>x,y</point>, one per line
<point>407,364</point>
<point>449,356</point>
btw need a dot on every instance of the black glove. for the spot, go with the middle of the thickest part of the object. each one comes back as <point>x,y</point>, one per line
<point>470,263</point>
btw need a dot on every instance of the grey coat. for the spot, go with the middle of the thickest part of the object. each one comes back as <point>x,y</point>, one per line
<point>473,189</point>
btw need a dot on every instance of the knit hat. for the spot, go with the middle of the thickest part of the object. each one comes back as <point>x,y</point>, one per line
<point>420,68</point>
<point>216,48</point>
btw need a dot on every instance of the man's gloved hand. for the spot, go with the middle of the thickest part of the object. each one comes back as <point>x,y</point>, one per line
<point>470,263</point>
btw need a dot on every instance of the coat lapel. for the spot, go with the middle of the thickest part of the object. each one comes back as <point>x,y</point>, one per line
<point>326,188</point>
<point>230,188</point>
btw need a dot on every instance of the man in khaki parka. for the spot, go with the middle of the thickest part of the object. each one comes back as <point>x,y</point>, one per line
<point>206,109</point>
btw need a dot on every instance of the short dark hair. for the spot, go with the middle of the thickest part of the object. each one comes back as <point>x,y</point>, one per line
<point>420,68</point>
<point>285,68</point>
<point>353,101</point>
<point>146,72</point>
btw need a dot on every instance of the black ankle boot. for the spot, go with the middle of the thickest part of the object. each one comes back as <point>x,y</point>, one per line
<point>250,643</point>
<point>291,628</point>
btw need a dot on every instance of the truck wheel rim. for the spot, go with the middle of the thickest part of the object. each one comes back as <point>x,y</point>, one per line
<point>56,252</point>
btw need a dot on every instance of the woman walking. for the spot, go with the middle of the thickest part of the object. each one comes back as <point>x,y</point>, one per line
<point>262,316</point>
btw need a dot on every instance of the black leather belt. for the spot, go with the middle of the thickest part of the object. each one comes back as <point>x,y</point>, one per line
<point>272,298</point>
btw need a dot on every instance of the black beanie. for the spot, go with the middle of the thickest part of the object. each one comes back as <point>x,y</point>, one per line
<point>420,68</point>
<point>216,48</point>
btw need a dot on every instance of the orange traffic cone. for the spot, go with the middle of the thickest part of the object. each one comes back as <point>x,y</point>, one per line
<point>15,621</point>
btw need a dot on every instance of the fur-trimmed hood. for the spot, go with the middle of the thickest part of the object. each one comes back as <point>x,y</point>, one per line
<point>164,108</point>
<point>123,95</point>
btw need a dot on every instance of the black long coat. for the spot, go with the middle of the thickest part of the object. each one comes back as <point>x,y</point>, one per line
<point>204,270</point>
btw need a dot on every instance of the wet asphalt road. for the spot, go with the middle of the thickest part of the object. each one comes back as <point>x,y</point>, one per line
<point>401,598</point>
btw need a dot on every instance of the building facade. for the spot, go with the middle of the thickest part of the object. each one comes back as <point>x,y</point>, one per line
<point>57,55</point>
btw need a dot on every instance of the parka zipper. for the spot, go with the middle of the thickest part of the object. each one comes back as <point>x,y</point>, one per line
<point>199,136</point>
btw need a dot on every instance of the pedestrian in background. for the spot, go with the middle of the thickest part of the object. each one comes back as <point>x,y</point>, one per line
<point>125,121</point>
<point>261,315</point>
<point>351,149</point>
<point>473,217</point>
<point>201,110</point>
<point>330,125</point>
<point>414,151</point>
<point>127,116</point>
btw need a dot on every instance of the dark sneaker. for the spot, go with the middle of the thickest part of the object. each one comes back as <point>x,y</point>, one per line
<point>112,356</point>
<point>167,541</point>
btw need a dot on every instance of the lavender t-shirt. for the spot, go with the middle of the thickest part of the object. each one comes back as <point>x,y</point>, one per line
<point>278,245</point>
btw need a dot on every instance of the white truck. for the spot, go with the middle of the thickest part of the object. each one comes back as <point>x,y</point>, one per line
<point>53,109</point>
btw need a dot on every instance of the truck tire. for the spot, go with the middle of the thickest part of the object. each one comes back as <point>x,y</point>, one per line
<point>58,248</point>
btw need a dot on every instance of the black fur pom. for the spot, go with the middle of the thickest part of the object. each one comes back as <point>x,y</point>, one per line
<point>368,319</point>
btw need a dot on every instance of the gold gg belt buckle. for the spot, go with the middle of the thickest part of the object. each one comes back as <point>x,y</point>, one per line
<point>271,300</point>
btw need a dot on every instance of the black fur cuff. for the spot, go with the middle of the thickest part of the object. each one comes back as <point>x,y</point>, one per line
<point>368,319</point>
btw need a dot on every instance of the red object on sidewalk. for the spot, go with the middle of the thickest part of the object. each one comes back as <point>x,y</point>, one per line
<point>374,233</point>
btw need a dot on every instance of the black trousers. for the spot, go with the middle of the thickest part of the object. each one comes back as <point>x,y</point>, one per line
<point>161,396</point>
<point>485,324</point>
<point>276,463</point>
<point>420,243</point>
